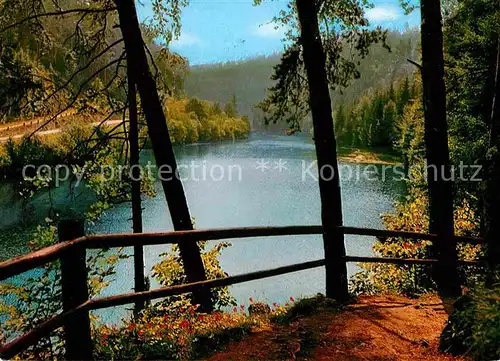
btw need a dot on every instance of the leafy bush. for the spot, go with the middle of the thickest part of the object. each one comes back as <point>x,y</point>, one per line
<point>16,155</point>
<point>411,280</point>
<point>75,145</point>
<point>25,305</point>
<point>30,299</point>
<point>474,325</point>
<point>303,308</point>
<point>182,334</point>
<point>259,308</point>
<point>170,272</point>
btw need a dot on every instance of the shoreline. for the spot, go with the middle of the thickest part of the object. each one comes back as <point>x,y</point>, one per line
<point>359,156</point>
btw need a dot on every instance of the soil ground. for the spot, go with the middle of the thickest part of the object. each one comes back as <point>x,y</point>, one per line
<point>378,328</point>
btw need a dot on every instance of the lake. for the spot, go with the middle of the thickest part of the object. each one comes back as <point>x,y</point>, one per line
<point>266,180</point>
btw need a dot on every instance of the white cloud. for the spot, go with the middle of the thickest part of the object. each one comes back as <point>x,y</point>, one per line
<point>186,39</point>
<point>269,30</point>
<point>381,14</point>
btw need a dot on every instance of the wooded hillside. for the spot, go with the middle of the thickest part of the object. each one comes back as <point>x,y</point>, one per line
<point>249,80</point>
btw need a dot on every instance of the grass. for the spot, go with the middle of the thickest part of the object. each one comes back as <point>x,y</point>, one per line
<point>308,307</point>
<point>206,345</point>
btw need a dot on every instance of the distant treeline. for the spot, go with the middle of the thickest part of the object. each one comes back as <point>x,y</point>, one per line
<point>189,121</point>
<point>248,80</point>
<point>375,119</point>
<point>41,79</point>
<point>193,120</point>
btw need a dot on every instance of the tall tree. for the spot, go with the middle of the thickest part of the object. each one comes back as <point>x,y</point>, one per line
<point>162,146</point>
<point>326,150</point>
<point>139,281</point>
<point>85,56</point>
<point>318,59</point>
<point>340,121</point>
<point>492,191</point>
<point>437,151</point>
<point>345,40</point>
<point>404,96</point>
<point>231,107</point>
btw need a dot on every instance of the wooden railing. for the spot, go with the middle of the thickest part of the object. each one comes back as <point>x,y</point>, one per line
<point>71,251</point>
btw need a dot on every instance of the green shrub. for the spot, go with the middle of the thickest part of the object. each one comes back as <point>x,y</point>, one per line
<point>170,272</point>
<point>304,307</point>
<point>16,155</point>
<point>412,280</point>
<point>182,334</point>
<point>474,325</point>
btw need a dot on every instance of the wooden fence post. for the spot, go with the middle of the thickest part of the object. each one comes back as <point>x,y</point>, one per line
<point>77,335</point>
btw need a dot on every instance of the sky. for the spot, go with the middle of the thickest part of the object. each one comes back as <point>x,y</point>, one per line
<point>229,30</point>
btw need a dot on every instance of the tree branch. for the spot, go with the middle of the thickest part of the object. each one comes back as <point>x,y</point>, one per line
<point>90,63</point>
<point>76,95</point>
<point>56,13</point>
<point>419,66</point>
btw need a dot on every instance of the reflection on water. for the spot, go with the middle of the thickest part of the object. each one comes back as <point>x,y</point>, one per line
<point>270,186</point>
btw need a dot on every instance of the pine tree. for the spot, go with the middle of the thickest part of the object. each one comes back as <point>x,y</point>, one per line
<point>404,96</point>
<point>340,123</point>
<point>390,117</point>
<point>437,151</point>
<point>231,108</point>
<point>392,94</point>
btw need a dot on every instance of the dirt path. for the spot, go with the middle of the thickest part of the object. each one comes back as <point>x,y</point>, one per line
<point>18,134</point>
<point>379,328</point>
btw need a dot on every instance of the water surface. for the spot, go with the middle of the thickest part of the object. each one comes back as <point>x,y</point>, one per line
<point>262,181</point>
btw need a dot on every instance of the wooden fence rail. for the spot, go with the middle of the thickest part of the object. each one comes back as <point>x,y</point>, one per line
<point>76,305</point>
<point>36,259</point>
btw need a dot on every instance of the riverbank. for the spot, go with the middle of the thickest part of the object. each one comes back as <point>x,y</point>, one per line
<point>264,196</point>
<point>368,156</point>
<point>56,145</point>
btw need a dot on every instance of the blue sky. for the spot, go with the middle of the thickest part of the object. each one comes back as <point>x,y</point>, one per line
<point>227,30</point>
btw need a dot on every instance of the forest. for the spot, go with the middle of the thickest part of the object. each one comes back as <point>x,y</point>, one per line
<point>51,74</point>
<point>428,286</point>
<point>249,79</point>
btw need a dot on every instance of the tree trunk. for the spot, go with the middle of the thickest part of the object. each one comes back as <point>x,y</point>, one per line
<point>326,151</point>
<point>162,146</point>
<point>491,216</point>
<point>139,284</point>
<point>437,151</point>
